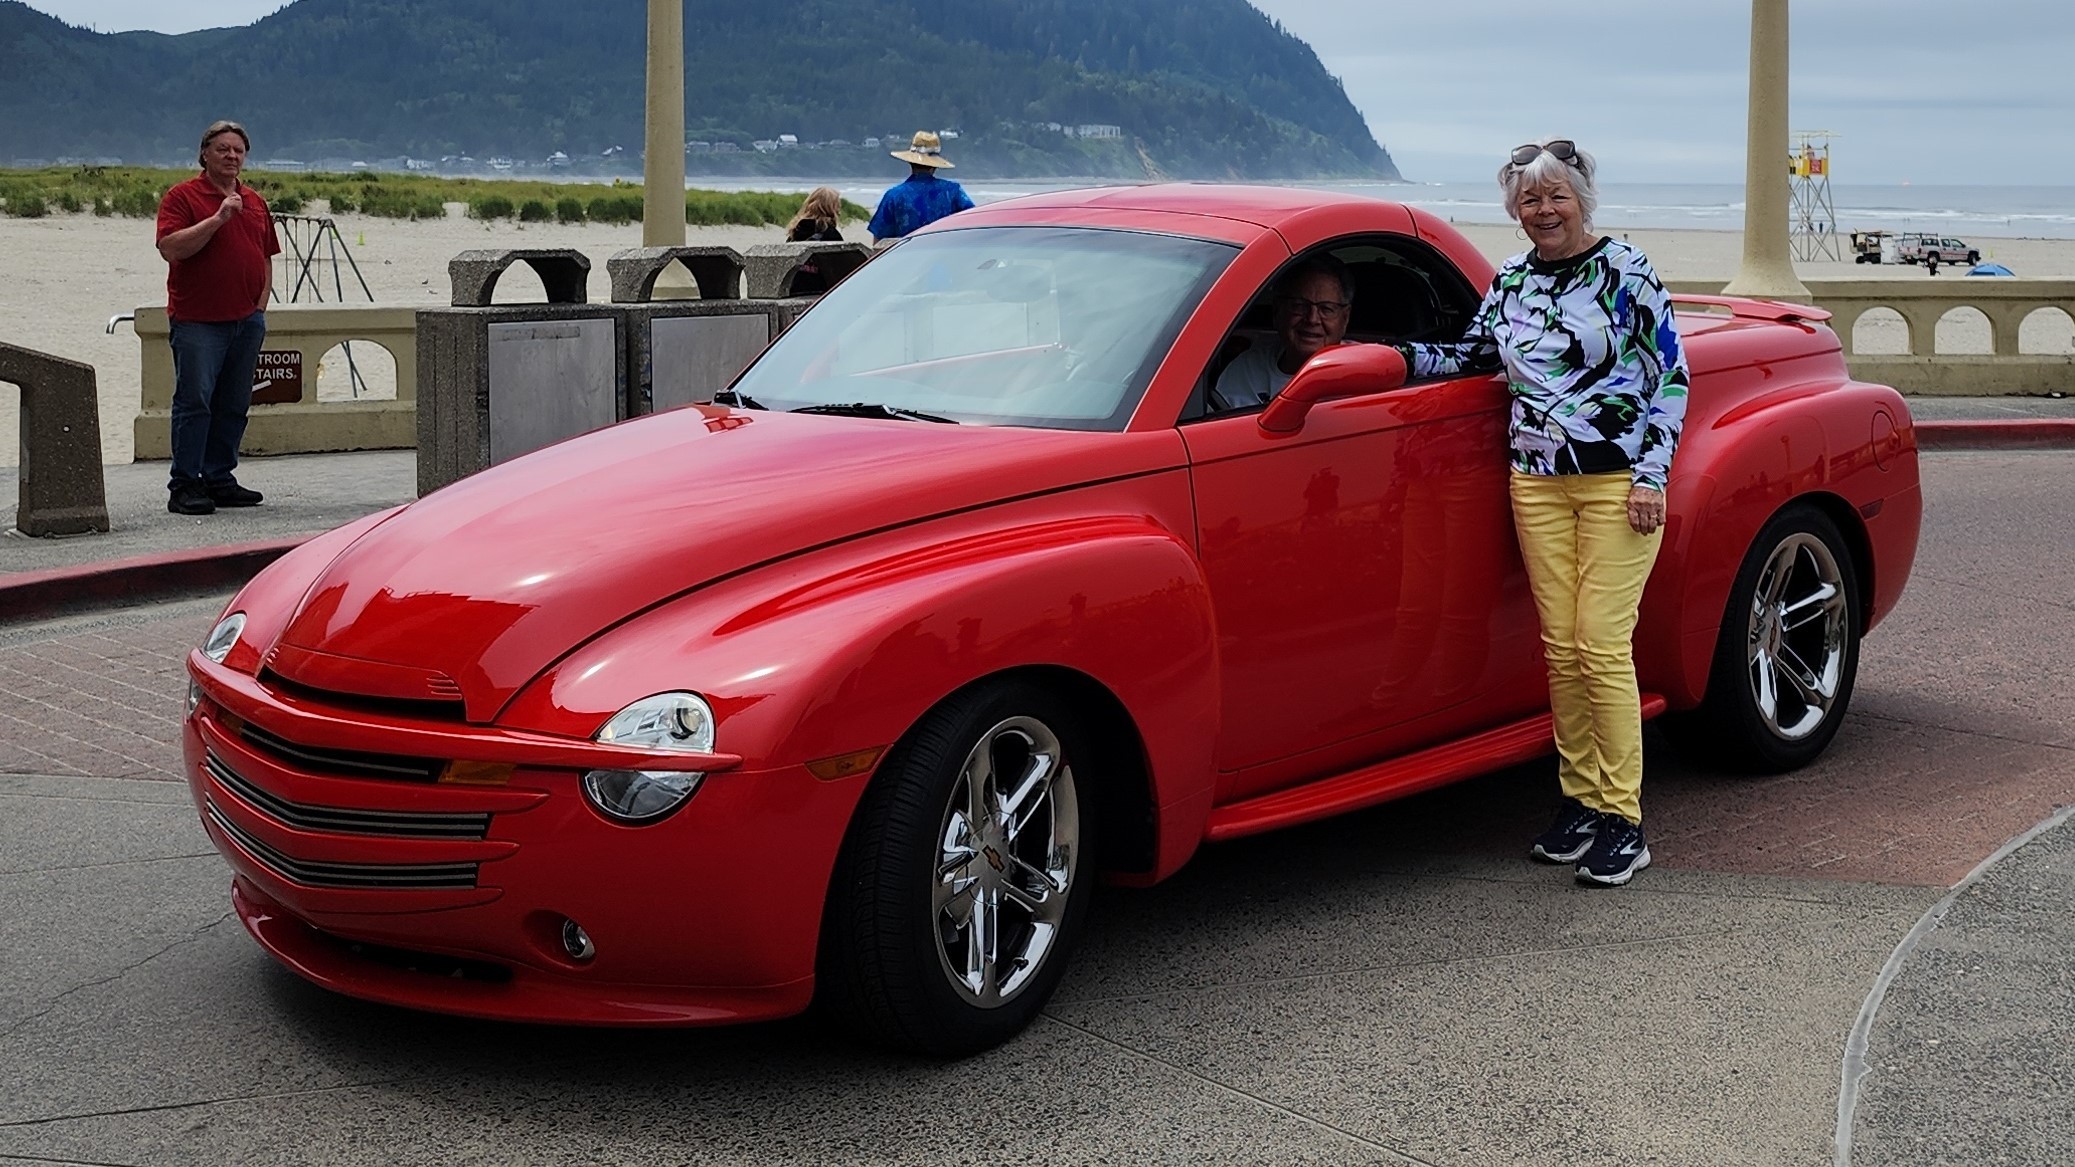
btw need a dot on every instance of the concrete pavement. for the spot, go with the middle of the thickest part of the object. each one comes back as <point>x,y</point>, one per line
<point>1397,986</point>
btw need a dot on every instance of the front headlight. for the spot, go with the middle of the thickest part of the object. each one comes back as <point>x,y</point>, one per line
<point>666,721</point>
<point>223,637</point>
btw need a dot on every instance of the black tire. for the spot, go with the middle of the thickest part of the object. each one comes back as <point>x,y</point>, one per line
<point>1974,257</point>
<point>886,972</point>
<point>1732,727</point>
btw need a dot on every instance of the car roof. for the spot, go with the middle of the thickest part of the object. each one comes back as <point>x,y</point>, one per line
<point>1269,207</point>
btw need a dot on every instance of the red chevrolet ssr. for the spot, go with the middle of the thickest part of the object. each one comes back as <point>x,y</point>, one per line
<point>851,687</point>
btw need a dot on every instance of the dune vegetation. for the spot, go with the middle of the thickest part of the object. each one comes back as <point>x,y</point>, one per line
<point>135,192</point>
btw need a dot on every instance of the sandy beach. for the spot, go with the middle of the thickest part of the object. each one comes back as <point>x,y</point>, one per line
<point>68,274</point>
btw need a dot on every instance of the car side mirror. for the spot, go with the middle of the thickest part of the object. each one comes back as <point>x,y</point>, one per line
<point>1348,370</point>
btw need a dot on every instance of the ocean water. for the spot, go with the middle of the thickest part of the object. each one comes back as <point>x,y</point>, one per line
<point>2043,212</point>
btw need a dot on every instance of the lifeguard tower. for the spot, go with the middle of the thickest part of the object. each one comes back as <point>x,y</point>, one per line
<point>1813,223</point>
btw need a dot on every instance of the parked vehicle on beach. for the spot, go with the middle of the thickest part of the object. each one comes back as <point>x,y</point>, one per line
<point>853,686</point>
<point>1919,248</point>
<point>1873,247</point>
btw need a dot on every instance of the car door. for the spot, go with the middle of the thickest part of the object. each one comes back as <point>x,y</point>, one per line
<point>1367,586</point>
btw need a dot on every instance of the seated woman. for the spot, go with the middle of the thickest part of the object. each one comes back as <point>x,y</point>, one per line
<point>816,222</point>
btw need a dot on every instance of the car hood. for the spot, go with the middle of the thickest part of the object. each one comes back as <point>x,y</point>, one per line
<point>470,592</point>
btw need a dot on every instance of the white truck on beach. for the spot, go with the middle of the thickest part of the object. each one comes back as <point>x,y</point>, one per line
<point>1920,248</point>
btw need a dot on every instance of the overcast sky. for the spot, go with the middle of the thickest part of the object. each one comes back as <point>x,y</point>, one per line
<point>1923,91</point>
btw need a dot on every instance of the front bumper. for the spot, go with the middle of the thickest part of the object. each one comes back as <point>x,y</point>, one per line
<point>363,872</point>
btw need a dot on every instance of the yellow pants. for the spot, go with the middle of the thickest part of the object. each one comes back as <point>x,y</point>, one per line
<point>1587,568</point>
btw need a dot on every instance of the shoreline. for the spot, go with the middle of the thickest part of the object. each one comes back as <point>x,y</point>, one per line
<point>78,270</point>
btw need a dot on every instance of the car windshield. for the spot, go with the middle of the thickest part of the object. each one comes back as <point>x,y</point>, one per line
<point>1059,327</point>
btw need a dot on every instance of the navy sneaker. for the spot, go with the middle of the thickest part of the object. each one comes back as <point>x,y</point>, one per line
<point>1568,837</point>
<point>230,494</point>
<point>1616,854</point>
<point>188,498</point>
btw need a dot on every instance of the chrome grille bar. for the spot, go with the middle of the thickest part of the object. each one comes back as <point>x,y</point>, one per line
<point>309,873</point>
<point>348,762</point>
<point>404,823</point>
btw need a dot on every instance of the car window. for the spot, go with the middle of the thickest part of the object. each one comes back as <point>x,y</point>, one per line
<point>1404,290</point>
<point>1059,327</point>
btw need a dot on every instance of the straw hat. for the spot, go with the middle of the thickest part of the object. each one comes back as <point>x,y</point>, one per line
<point>925,150</point>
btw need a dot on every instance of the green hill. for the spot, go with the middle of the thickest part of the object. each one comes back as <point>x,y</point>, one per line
<point>1200,88</point>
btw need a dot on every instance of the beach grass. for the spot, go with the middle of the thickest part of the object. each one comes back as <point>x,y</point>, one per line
<point>134,191</point>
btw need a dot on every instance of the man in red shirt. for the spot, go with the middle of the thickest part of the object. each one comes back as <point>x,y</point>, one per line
<point>219,239</point>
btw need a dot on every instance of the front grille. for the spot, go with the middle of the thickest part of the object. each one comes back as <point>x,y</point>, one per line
<point>309,873</point>
<point>403,823</point>
<point>442,702</point>
<point>348,763</point>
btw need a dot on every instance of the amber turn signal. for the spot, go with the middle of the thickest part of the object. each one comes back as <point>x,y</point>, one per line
<point>844,765</point>
<point>476,773</point>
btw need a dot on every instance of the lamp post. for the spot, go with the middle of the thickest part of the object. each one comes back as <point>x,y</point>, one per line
<point>662,210</point>
<point>1767,271</point>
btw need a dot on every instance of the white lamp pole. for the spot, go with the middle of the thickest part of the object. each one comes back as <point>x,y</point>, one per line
<point>662,217</point>
<point>1767,271</point>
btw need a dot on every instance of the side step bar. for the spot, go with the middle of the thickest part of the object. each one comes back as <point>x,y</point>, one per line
<point>1495,749</point>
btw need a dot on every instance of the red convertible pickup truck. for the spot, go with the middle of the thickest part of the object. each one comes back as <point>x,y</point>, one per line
<point>852,687</point>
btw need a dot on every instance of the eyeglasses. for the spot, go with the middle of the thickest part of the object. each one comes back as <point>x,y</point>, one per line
<point>1300,307</point>
<point>1563,150</point>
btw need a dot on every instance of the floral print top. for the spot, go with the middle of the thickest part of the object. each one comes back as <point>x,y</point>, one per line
<point>1596,371</point>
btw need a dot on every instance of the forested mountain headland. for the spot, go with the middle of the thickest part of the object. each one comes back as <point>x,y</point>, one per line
<point>1034,88</point>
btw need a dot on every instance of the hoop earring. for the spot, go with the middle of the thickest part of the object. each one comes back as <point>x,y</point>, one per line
<point>1519,233</point>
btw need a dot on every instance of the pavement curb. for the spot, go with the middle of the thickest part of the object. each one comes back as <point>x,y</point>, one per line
<point>34,595</point>
<point>2014,434</point>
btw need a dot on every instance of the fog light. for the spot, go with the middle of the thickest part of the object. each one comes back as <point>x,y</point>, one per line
<point>576,942</point>
<point>194,696</point>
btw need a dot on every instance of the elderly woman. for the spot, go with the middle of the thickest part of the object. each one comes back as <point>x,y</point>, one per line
<point>1583,330</point>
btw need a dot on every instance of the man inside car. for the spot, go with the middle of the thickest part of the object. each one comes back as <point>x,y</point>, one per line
<point>1310,304</point>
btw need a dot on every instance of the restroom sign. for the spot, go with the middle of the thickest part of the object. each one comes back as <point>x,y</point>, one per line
<point>279,379</point>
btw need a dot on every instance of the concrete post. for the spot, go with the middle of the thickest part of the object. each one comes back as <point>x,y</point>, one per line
<point>662,217</point>
<point>62,492</point>
<point>1767,271</point>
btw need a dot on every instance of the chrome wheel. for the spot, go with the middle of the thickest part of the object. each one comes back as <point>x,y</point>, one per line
<point>1008,854</point>
<point>1797,637</point>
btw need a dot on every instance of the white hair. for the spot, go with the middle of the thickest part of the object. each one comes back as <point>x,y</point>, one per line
<point>1544,171</point>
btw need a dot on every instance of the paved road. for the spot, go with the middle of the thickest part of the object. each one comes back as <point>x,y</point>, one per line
<point>1392,987</point>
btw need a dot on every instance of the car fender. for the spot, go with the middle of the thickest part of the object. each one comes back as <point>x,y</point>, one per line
<point>1727,480</point>
<point>837,655</point>
<point>271,598</point>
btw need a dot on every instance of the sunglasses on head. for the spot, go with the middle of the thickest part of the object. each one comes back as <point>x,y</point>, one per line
<point>1563,150</point>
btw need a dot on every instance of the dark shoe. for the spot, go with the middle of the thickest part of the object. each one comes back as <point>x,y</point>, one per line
<point>1617,853</point>
<point>189,498</point>
<point>232,495</point>
<point>1568,837</point>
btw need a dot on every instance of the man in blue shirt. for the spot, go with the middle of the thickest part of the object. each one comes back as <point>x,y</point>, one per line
<point>924,198</point>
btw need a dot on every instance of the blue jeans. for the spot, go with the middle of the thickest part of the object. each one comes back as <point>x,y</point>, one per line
<point>213,367</point>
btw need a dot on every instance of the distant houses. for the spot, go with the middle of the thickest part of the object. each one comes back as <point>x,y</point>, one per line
<point>1097,130</point>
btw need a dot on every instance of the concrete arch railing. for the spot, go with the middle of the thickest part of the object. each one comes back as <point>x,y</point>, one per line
<point>304,425</point>
<point>2005,303</point>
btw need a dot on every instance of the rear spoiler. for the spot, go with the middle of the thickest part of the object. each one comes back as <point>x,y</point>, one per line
<point>1745,308</point>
